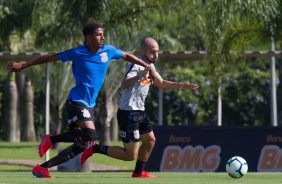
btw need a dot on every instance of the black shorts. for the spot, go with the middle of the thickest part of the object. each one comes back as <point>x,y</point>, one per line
<point>132,124</point>
<point>78,111</point>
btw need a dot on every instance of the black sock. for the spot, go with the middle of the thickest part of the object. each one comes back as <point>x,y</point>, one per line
<point>100,149</point>
<point>139,167</point>
<point>65,155</point>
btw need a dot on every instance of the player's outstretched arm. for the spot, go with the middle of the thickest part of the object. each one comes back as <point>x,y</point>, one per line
<point>189,85</point>
<point>165,84</point>
<point>15,67</point>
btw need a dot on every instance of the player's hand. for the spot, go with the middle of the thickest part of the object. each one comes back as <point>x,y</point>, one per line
<point>189,85</point>
<point>15,67</point>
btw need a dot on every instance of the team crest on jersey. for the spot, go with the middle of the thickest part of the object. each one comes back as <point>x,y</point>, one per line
<point>86,113</point>
<point>136,134</point>
<point>145,82</point>
<point>104,57</point>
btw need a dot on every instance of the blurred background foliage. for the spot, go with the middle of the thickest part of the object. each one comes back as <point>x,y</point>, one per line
<point>216,26</point>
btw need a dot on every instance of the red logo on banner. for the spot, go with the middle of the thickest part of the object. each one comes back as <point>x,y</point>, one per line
<point>270,159</point>
<point>190,158</point>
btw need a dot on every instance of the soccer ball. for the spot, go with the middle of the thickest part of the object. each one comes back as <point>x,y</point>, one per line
<point>236,167</point>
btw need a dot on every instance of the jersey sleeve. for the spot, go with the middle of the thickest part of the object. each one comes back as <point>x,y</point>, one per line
<point>132,70</point>
<point>67,55</point>
<point>116,53</point>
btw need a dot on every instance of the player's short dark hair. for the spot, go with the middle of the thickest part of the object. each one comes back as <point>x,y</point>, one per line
<point>90,28</point>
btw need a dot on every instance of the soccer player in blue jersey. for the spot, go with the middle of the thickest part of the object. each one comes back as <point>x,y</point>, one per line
<point>132,118</point>
<point>89,66</point>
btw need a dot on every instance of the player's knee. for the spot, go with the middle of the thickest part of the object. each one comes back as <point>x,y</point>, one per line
<point>134,156</point>
<point>151,142</point>
<point>131,155</point>
<point>89,134</point>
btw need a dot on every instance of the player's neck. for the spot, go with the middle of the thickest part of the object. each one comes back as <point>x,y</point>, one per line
<point>145,59</point>
<point>93,49</point>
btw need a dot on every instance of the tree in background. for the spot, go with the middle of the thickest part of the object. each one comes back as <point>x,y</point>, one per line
<point>27,125</point>
<point>16,35</point>
<point>239,25</point>
<point>123,21</point>
<point>216,26</point>
<point>11,126</point>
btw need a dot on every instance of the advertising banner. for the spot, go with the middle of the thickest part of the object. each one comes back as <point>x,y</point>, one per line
<point>207,149</point>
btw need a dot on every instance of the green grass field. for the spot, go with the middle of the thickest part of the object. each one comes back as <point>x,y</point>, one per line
<point>28,151</point>
<point>124,178</point>
<point>15,174</point>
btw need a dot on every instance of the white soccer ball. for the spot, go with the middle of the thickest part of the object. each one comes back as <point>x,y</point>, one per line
<point>236,167</point>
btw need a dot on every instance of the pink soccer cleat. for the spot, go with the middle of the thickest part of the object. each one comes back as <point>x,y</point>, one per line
<point>45,145</point>
<point>41,172</point>
<point>143,174</point>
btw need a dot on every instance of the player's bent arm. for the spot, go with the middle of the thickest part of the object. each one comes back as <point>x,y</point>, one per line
<point>132,58</point>
<point>129,82</point>
<point>14,67</point>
